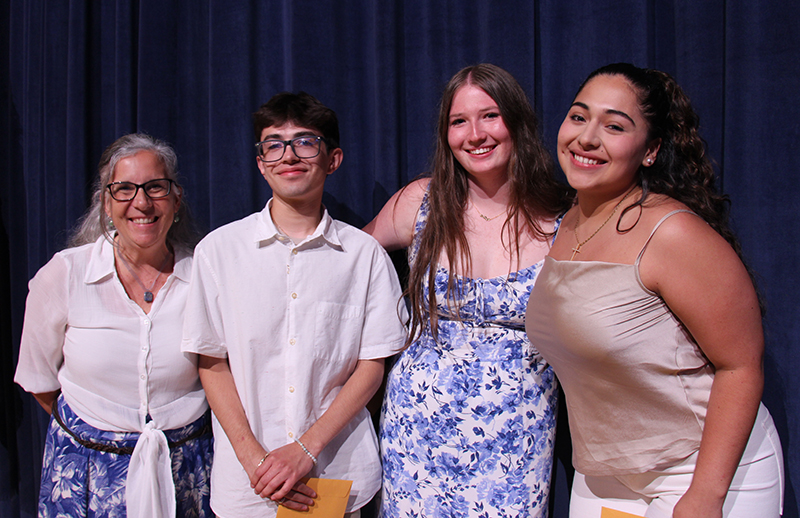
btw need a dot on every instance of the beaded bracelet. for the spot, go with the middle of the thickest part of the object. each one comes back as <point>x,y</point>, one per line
<point>310,455</point>
<point>262,460</point>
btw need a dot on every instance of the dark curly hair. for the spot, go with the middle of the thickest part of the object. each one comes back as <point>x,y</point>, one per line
<point>682,169</point>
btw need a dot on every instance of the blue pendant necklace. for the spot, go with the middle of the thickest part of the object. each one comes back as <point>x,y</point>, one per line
<point>148,293</point>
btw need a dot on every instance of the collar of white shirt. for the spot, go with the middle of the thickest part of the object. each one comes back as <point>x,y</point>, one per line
<point>268,233</point>
<point>101,263</point>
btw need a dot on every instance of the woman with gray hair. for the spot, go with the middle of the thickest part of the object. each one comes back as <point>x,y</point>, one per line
<point>130,429</point>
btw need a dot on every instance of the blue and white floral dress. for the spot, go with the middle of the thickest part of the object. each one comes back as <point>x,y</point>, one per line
<point>468,421</point>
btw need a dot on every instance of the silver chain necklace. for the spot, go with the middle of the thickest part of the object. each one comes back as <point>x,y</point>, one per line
<point>148,293</point>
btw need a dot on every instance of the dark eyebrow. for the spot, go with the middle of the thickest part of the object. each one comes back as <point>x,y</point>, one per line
<point>614,112</point>
<point>305,133</point>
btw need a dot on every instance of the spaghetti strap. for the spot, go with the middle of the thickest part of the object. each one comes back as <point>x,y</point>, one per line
<point>662,220</point>
<point>559,219</point>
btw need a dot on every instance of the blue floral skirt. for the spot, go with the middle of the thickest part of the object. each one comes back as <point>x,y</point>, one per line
<point>80,481</point>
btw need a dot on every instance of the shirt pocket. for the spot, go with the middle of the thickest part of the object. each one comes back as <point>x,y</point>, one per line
<point>337,335</point>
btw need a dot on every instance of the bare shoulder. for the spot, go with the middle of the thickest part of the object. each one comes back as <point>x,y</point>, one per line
<point>677,226</point>
<point>413,193</point>
<point>683,247</point>
<point>393,227</point>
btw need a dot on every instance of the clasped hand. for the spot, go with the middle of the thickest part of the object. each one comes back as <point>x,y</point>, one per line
<point>278,478</point>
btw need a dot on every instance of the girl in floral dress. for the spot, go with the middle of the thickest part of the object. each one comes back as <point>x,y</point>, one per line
<point>469,414</point>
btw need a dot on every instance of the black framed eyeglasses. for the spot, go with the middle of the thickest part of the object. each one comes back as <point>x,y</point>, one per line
<point>307,146</point>
<point>154,189</point>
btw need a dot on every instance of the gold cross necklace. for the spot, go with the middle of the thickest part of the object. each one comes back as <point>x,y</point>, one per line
<point>577,248</point>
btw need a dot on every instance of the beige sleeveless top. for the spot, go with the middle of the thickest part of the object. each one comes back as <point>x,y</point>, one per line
<point>636,384</point>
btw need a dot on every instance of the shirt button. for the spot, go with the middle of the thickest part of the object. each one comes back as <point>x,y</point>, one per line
<point>292,341</point>
<point>142,376</point>
<point>294,251</point>
<point>291,435</point>
<point>294,295</point>
<point>291,389</point>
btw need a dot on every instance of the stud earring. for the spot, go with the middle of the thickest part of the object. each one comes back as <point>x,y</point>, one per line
<point>176,218</point>
<point>649,161</point>
<point>110,224</point>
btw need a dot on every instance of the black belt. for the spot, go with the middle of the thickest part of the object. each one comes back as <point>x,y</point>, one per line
<point>123,450</point>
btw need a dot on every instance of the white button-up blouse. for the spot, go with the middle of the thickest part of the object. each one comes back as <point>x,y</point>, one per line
<point>113,363</point>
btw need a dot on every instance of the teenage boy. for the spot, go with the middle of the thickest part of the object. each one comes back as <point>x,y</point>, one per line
<point>292,314</point>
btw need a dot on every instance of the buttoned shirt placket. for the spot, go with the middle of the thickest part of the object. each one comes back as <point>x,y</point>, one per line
<point>292,345</point>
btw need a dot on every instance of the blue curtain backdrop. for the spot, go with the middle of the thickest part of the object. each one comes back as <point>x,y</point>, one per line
<point>78,74</point>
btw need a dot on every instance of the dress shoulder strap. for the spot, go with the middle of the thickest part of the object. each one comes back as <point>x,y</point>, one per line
<point>662,220</point>
<point>557,228</point>
<point>419,224</point>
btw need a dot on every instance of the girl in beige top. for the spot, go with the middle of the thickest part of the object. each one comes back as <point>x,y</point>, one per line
<point>649,317</point>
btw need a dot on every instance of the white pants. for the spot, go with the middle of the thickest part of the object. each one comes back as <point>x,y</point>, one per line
<point>756,489</point>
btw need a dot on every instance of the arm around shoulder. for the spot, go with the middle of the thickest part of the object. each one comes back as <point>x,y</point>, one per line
<point>393,227</point>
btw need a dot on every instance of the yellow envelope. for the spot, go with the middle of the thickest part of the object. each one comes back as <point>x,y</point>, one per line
<point>605,512</point>
<point>331,501</point>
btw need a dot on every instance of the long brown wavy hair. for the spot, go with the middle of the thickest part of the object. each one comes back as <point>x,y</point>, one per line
<point>534,192</point>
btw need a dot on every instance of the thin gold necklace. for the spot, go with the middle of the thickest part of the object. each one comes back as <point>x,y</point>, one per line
<point>577,248</point>
<point>482,215</point>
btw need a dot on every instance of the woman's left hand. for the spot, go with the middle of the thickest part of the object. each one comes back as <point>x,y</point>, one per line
<point>693,505</point>
<point>279,476</point>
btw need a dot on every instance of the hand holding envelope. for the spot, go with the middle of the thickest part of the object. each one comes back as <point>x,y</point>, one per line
<point>331,501</point>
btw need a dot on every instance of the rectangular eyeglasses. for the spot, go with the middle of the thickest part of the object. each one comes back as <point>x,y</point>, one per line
<point>154,189</point>
<point>272,150</point>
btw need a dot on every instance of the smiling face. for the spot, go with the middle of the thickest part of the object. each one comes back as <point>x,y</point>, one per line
<point>293,179</point>
<point>142,223</point>
<point>603,141</point>
<point>477,135</point>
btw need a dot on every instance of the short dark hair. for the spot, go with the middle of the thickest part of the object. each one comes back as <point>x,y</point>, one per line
<point>302,109</point>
